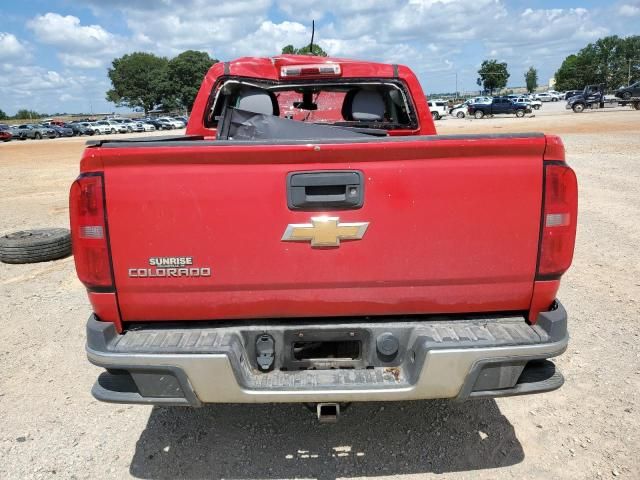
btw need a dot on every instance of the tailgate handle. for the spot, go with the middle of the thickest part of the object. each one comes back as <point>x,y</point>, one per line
<point>323,190</point>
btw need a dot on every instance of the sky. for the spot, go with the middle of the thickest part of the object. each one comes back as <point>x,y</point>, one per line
<point>54,54</point>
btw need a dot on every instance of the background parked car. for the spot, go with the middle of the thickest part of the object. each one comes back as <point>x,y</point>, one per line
<point>438,108</point>
<point>16,133</point>
<point>546,97</point>
<point>102,127</point>
<point>172,122</point>
<point>181,121</point>
<point>534,104</point>
<point>80,128</point>
<point>5,133</point>
<point>498,106</point>
<point>459,111</point>
<point>109,126</point>
<point>60,131</point>
<point>157,124</point>
<point>122,126</point>
<point>35,132</point>
<point>625,93</point>
<point>133,126</point>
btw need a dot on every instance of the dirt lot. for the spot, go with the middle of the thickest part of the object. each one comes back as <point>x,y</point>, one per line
<point>50,426</point>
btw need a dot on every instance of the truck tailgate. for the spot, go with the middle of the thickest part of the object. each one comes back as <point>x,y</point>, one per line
<point>453,226</point>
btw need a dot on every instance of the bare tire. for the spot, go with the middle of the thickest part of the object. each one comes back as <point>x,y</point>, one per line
<point>519,113</point>
<point>460,114</point>
<point>30,246</point>
<point>626,95</point>
<point>578,108</point>
<point>479,114</point>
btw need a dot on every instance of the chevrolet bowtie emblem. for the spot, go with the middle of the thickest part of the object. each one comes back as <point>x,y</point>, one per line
<point>324,231</point>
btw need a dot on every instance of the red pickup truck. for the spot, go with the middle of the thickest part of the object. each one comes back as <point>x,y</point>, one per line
<point>311,239</point>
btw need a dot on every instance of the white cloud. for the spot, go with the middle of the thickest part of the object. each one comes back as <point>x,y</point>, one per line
<point>169,27</point>
<point>46,90</point>
<point>319,10</point>
<point>55,29</point>
<point>82,46</point>
<point>11,47</point>
<point>629,10</point>
<point>270,37</point>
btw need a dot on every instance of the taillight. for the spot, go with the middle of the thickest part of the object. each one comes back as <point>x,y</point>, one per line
<point>559,220</point>
<point>88,232</point>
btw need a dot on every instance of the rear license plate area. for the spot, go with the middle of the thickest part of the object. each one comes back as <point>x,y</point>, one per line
<point>335,350</point>
<point>325,349</point>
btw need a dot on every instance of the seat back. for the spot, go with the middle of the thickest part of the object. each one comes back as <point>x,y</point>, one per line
<point>366,105</point>
<point>257,100</point>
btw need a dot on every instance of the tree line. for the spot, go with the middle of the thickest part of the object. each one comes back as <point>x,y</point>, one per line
<point>22,114</point>
<point>613,61</point>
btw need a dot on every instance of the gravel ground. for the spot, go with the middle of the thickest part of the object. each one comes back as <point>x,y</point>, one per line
<point>50,426</point>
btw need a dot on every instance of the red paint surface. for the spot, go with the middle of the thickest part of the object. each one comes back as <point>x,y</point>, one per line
<point>105,306</point>
<point>454,227</point>
<point>454,223</point>
<point>544,293</point>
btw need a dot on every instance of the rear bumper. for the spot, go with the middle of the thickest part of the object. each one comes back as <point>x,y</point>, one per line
<point>437,358</point>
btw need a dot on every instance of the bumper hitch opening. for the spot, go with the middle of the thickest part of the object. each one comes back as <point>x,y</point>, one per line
<point>328,412</point>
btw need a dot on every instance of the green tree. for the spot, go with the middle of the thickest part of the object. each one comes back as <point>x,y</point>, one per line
<point>24,114</point>
<point>139,80</point>
<point>571,75</point>
<point>317,50</point>
<point>3,116</point>
<point>493,75</point>
<point>185,73</point>
<point>631,53</point>
<point>531,79</point>
<point>611,60</point>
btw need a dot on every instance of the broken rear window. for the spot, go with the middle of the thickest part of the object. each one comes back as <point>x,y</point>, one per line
<point>379,104</point>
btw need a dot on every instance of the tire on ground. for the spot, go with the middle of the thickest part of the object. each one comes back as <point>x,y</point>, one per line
<point>30,246</point>
<point>478,114</point>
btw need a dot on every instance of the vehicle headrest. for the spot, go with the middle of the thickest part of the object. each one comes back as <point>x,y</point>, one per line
<point>257,100</point>
<point>362,104</point>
